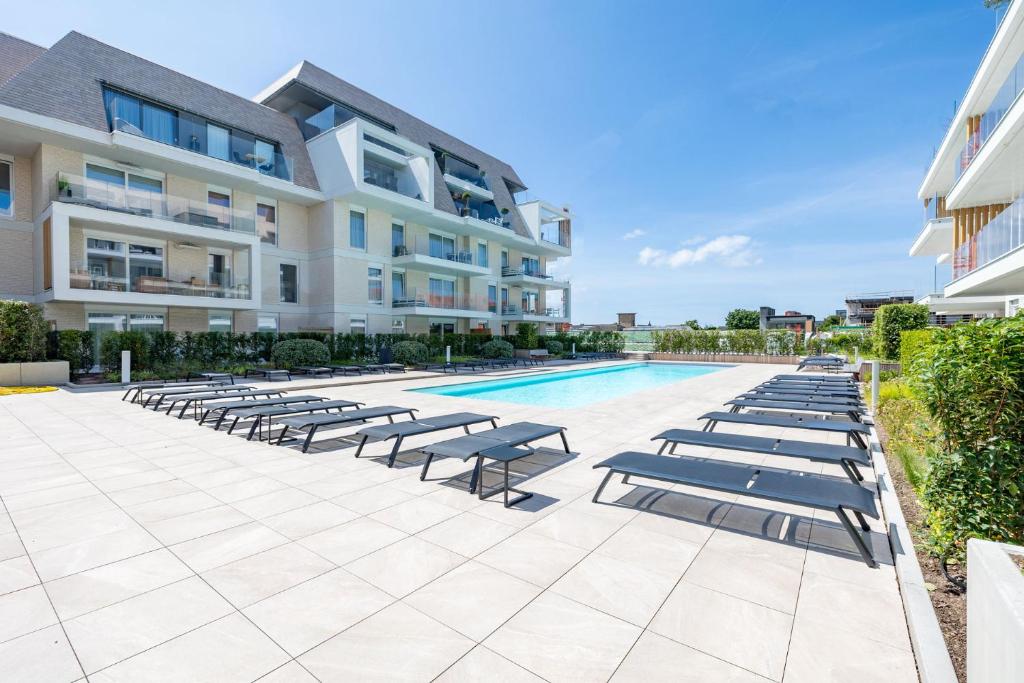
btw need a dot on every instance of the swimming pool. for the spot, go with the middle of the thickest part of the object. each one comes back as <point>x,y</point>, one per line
<point>576,388</point>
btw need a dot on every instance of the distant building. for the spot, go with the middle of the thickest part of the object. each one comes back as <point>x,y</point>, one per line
<point>624,321</point>
<point>861,308</point>
<point>790,320</point>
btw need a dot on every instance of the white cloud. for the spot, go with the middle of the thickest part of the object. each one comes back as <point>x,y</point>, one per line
<point>633,234</point>
<point>733,251</point>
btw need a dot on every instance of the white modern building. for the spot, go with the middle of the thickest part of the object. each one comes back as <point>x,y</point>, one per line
<point>973,193</point>
<point>134,197</point>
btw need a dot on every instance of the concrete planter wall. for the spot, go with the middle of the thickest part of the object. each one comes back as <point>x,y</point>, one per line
<point>995,613</point>
<point>34,374</point>
<point>726,358</point>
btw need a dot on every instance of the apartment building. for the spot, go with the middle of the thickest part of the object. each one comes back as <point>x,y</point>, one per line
<point>134,197</point>
<point>973,193</point>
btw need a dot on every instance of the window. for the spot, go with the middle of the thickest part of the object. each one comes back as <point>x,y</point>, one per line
<point>529,302</point>
<point>159,124</point>
<point>504,301</point>
<point>442,247</point>
<point>218,142</point>
<point>397,325</point>
<point>376,286</point>
<point>481,254</point>
<point>504,258</point>
<point>220,207</point>
<point>357,325</point>
<point>6,188</point>
<point>397,286</point>
<point>146,263</point>
<point>266,223</point>
<point>218,271</point>
<point>123,267</point>
<point>266,322</point>
<point>289,283</point>
<point>398,239</point>
<point>492,298</point>
<point>111,187</point>
<point>442,293</point>
<point>531,265</point>
<point>266,157</point>
<point>357,230</point>
<point>219,322</point>
<point>437,327</point>
<point>381,175</point>
<point>133,115</point>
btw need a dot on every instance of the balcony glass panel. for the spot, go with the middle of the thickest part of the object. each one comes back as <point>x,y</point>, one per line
<point>436,246</point>
<point>463,171</point>
<point>998,237</point>
<point>474,207</point>
<point>1001,103</point>
<point>557,232</point>
<point>441,294</point>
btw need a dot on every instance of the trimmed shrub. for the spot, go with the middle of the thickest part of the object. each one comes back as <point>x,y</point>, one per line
<point>410,352</point>
<point>893,319</point>
<point>553,346</point>
<point>22,332</point>
<point>914,344</point>
<point>497,348</point>
<point>971,380</point>
<point>113,343</point>
<point>295,352</point>
<point>526,336</point>
<point>74,346</point>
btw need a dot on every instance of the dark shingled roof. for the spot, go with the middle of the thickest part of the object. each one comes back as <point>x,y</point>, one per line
<point>15,55</point>
<point>421,133</point>
<point>64,82</point>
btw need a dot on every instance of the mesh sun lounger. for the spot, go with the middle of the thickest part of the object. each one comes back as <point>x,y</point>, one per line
<point>805,397</point>
<point>313,422</point>
<point>443,367</point>
<point>196,400</point>
<point>346,369</point>
<point>750,480</point>
<point>855,431</point>
<point>226,377</point>
<point>394,367</point>
<point>162,394</point>
<point>313,370</point>
<point>847,457</point>
<point>137,389</point>
<point>225,408</point>
<point>793,388</point>
<point>832,379</point>
<point>268,373</point>
<point>424,425</point>
<point>504,444</point>
<point>265,414</point>
<point>853,412</point>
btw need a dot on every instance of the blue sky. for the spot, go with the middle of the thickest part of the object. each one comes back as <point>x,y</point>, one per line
<point>717,155</point>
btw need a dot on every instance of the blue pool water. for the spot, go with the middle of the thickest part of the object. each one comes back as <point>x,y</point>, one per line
<point>576,388</point>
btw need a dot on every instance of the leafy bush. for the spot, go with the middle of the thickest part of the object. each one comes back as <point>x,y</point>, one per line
<point>972,382</point>
<point>74,346</point>
<point>774,342</point>
<point>113,343</point>
<point>22,332</point>
<point>553,346</point>
<point>295,352</point>
<point>410,352</point>
<point>742,319</point>
<point>526,336</point>
<point>893,319</point>
<point>497,348</point>
<point>914,344</point>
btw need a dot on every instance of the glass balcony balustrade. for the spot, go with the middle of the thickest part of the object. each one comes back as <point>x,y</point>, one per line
<point>442,297</point>
<point>1000,236</point>
<point>1001,103</point>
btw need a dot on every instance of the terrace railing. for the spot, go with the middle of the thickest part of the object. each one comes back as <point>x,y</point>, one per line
<point>1000,236</point>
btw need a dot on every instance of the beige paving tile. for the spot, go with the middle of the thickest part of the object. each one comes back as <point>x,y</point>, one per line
<point>838,654</point>
<point>10,545</point>
<point>577,528</point>
<point>108,635</point>
<point>309,613</point>
<point>402,567</point>
<point>92,552</point>
<point>562,640</point>
<point>89,590</point>
<point>43,655</point>
<point>17,573</point>
<point>654,550</point>
<point>875,613</point>
<point>196,524</point>
<point>275,502</point>
<point>521,556</point>
<point>305,521</point>
<point>369,500</point>
<point>229,649</point>
<point>481,664</point>
<point>742,633</point>
<point>292,672</point>
<point>473,599</point>
<point>414,515</point>
<point>173,506</point>
<point>24,611</point>
<point>467,534</point>
<point>226,546</point>
<point>366,652</point>
<point>657,659</point>
<point>344,543</point>
<point>259,576</point>
<point>766,582</point>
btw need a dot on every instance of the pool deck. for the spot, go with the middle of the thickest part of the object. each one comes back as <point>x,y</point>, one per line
<point>135,546</point>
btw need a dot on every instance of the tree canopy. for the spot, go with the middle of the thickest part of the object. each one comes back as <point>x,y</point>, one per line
<point>742,319</point>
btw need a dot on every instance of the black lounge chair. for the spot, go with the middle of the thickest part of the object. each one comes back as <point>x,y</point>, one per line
<point>831,379</point>
<point>212,376</point>
<point>502,444</point>
<point>847,457</point>
<point>313,422</point>
<point>313,370</point>
<point>794,488</point>
<point>423,425</point>
<point>806,389</point>
<point>394,367</point>
<point>442,367</point>
<point>225,408</point>
<point>268,373</point>
<point>135,390</point>
<point>803,398</point>
<point>853,412</point>
<point>196,400</point>
<point>266,414</point>
<point>164,393</point>
<point>855,431</point>
<point>346,369</point>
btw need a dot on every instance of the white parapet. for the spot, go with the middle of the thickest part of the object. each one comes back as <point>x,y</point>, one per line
<point>995,613</point>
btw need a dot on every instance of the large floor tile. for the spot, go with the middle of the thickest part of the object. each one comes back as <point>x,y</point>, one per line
<point>402,567</point>
<point>467,534</point>
<point>872,612</point>
<point>227,650</point>
<point>577,528</point>
<point>17,573</point>
<point>187,526</point>
<point>481,664</point>
<point>765,582</point>
<point>310,519</point>
<point>259,576</point>
<point>743,633</point>
<point>396,644</point>
<point>43,655</point>
<point>414,515</point>
<point>561,640</point>
<point>347,542</point>
<point>311,612</point>
<point>655,659</point>
<point>226,546</point>
<point>823,653</point>
<point>473,599</point>
<point>520,556</point>
<point>24,611</point>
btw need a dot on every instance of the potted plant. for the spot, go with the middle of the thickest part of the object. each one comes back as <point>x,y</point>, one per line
<point>63,187</point>
<point>504,217</point>
<point>465,204</point>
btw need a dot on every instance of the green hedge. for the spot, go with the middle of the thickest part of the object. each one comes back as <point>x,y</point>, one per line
<point>293,353</point>
<point>971,380</point>
<point>497,348</point>
<point>913,344</point>
<point>22,332</point>
<point>526,336</point>
<point>893,319</point>
<point>411,352</point>
<point>751,342</point>
<point>74,346</point>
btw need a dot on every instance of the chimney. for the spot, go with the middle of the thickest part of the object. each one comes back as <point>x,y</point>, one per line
<point>627,319</point>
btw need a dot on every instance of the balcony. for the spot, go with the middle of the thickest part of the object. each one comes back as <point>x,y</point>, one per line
<point>936,237</point>
<point>531,276</point>
<point>470,206</point>
<point>532,313</point>
<point>216,286</point>
<point>77,190</point>
<point>438,256</point>
<point>991,261</point>
<point>550,225</point>
<point>463,177</point>
<point>433,302</point>
<point>990,120</point>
